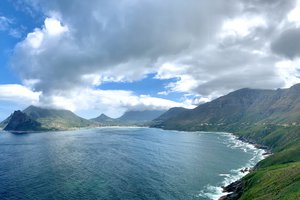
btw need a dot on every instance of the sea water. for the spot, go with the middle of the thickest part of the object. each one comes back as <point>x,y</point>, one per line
<point>121,163</point>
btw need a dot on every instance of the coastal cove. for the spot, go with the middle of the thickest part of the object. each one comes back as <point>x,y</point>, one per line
<point>122,162</point>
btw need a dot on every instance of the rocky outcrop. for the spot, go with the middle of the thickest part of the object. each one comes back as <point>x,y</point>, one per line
<point>235,189</point>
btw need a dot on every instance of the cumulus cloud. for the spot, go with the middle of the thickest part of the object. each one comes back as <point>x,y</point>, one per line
<point>110,102</point>
<point>19,94</point>
<point>116,38</point>
<point>209,47</point>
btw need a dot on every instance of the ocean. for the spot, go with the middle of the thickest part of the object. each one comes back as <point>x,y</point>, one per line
<point>121,163</point>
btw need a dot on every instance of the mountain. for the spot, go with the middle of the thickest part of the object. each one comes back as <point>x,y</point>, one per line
<point>140,116</point>
<point>268,118</point>
<point>130,118</point>
<point>19,121</point>
<point>242,106</point>
<point>104,120</point>
<point>48,119</point>
<point>169,114</point>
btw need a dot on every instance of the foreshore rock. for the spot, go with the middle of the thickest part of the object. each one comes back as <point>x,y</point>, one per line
<point>235,189</point>
<point>245,170</point>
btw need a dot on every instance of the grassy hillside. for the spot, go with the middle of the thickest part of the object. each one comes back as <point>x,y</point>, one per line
<point>274,182</point>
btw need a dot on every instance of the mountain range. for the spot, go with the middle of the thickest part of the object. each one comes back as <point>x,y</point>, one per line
<point>250,106</point>
<point>130,118</point>
<point>44,119</point>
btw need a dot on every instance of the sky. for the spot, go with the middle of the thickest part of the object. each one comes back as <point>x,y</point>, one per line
<point>110,56</point>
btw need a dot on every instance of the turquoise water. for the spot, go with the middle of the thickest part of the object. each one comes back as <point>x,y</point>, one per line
<point>120,163</point>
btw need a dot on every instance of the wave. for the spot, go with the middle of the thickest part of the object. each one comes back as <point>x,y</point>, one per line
<point>215,192</point>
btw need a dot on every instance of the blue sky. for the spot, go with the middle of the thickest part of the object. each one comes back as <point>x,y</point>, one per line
<point>111,56</point>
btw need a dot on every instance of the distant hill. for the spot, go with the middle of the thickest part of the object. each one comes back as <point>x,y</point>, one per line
<point>130,118</point>
<point>48,119</point>
<point>140,116</point>
<point>104,120</point>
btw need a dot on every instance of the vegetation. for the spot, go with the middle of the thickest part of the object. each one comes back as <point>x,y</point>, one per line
<point>274,182</point>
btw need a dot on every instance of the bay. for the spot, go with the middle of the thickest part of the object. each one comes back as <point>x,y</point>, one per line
<point>121,163</point>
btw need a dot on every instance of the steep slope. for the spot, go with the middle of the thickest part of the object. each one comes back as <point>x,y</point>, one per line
<point>242,106</point>
<point>19,121</point>
<point>168,115</point>
<point>140,116</point>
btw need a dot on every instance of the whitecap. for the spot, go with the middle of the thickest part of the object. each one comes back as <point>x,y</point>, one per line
<point>232,141</point>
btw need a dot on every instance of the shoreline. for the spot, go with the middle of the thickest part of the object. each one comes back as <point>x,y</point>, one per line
<point>218,192</point>
<point>234,190</point>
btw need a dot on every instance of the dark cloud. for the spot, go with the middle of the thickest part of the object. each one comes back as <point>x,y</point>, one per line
<point>288,43</point>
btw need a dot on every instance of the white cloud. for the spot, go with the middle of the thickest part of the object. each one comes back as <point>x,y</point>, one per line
<point>54,27</point>
<point>242,26</point>
<point>110,102</point>
<point>289,70</point>
<point>35,38</point>
<point>19,94</point>
<point>294,15</point>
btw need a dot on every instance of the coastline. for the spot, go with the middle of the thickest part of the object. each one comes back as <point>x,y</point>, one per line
<point>231,184</point>
<point>234,189</point>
